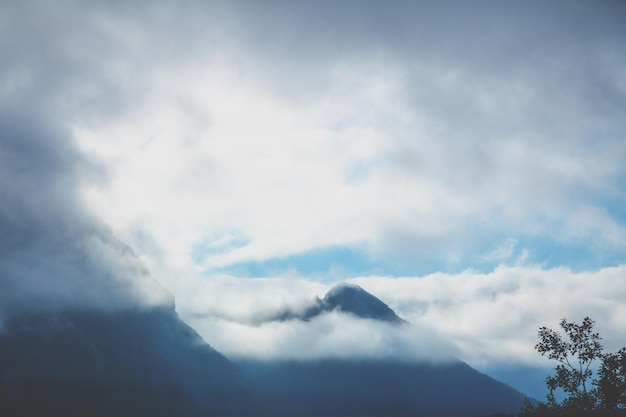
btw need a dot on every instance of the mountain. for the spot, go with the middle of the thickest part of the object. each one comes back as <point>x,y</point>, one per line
<point>135,361</point>
<point>345,298</point>
<point>118,363</point>
<point>392,388</point>
<point>333,387</point>
<point>102,338</point>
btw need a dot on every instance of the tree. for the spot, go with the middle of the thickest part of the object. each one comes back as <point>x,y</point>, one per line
<point>575,357</point>
<point>612,380</point>
<point>576,353</point>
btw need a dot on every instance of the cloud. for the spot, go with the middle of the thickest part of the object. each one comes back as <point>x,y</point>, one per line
<point>53,252</point>
<point>493,318</point>
<point>487,319</point>
<point>229,313</point>
<point>415,136</point>
<point>331,335</point>
<point>213,135</point>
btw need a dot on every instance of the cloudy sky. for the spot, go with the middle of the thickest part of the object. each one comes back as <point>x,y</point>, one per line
<point>463,161</point>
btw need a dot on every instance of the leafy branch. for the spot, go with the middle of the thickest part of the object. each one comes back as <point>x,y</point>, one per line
<point>576,352</point>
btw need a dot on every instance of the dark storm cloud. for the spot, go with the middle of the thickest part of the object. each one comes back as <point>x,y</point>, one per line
<point>484,70</point>
<point>53,253</point>
<point>492,39</point>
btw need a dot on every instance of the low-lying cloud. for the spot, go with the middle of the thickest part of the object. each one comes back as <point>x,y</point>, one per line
<point>485,319</point>
<point>231,313</point>
<point>331,335</point>
<point>494,317</point>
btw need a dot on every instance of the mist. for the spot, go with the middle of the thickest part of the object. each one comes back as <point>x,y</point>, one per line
<point>329,336</point>
<point>486,319</point>
<point>53,253</point>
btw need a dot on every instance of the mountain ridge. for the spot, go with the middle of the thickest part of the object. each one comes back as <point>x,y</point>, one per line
<point>125,362</point>
<point>149,362</point>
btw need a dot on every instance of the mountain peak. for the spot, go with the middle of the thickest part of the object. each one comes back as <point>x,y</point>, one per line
<point>345,288</point>
<point>346,298</point>
<point>351,298</point>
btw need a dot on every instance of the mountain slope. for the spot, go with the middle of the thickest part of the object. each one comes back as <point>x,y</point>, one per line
<point>346,388</point>
<point>333,387</point>
<point>123,363</point>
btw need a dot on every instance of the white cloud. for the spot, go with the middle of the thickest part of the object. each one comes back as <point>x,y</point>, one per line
<point>332,335</point>
<point>283,173</point>
<point>386,146</point>
<point>494,317</point>
<point>486,319</point>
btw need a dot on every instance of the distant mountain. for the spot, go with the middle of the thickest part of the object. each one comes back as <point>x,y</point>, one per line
<point>373,388</point>
<point>122,363</point>
<point>345,298</point>
<point>147,362</point>
<point>137,362</point>
<point>376,387</point>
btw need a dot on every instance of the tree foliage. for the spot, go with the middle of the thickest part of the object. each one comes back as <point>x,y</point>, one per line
<point>577,352</point>
<point>612,380</point>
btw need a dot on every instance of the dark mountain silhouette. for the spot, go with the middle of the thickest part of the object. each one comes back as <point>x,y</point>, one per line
<point>345,298</point>
<point>75,356</point>
<point>122,363</point>
<point>147,361</point>
<point>372,388</point>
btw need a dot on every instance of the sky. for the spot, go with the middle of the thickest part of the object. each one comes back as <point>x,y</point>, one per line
<point>463,161</point>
